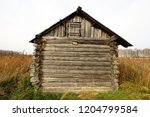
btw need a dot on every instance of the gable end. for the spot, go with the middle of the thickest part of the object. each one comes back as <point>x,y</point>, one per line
<point>99,28</point>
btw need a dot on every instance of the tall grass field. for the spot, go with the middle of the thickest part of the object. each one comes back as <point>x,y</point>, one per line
<point>134,81</point>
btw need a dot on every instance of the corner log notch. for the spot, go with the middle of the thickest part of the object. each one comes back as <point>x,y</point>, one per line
<point>115,69</point>
<point>36,66</point>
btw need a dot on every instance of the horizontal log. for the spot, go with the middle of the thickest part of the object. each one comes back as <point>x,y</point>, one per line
<point>72,38</point>
<point>98,84</point>
<point>73,45</point>
<point>76,79</point>
<point>77,67</point>
<point>75,63</point>
<point>75,72</point>
<point>76,89</point>
<point>79,84</point>
<point>60,89</point>
<point>43,53</point>
<point>71,49</point>
<point>67,75</point>
<point>72,64</point>
<point>80,41</point>
<point>96,59</point>
<point>75,53</point>
<point>72,74</point>
<point>61,71</point>
<point>57,84</point>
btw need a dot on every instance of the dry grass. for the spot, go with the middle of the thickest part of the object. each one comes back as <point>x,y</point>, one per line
<point>131,69</point>
<point>134,80</point>
<point>12,69</point>
<point>136,70</point>
<point>13,64</point>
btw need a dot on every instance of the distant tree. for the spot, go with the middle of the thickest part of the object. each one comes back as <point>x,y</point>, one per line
<point>136,53</point>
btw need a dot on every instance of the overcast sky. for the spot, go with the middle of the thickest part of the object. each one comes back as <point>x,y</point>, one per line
<point>21,20</point>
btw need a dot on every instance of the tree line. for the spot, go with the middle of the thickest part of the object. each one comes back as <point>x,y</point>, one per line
<point>135,53</point>
<point>11,52</point>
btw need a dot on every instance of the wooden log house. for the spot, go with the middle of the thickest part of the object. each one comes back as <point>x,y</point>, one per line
<point>78,53</point>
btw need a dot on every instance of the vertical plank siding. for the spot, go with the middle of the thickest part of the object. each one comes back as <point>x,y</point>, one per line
<point>86,30</point>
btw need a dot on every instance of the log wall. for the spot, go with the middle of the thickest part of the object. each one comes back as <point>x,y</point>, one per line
<point>75,64</point>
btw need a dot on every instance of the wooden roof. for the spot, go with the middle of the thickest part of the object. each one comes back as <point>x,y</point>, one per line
<point>93,21</point>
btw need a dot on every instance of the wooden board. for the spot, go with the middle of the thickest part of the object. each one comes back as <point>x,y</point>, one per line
<point>84,76</point>
<point>98,54</point>
<point>95,59</point>
<point>82,41</point>
<point>75,63</point>
<point>49,67</point>
<point>76,89</point>
<point>61,71</point>
<point>77,84</point>
<point>76,45</point>
<point>71,79</point>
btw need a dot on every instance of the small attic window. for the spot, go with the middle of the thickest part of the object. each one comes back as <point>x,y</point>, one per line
<point>74,29</point>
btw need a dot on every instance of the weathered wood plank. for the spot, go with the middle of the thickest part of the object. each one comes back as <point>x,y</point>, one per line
<point>71,75</point>
<point>80,41</point>
<point>75,49</point>
<point>75,25</point>
<point>76,89</point>
<point>92,31</point>
<point>47,38</point>
<point>72,79</point>
<point>75,53</point>
<point>60,71</point>
<point>60,89</point>
<point>77,67</point>
<point>58,84</point>
<point>78,84</point>
<point>78,55</point>
<point>96,59</point>
<point>82,29</point>
<point>78,46</point>
<point>100,33</point>
<point>88,29</point>
<point>74,63</point>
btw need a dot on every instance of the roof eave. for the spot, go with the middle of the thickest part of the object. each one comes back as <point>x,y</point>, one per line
<point>123,42</point>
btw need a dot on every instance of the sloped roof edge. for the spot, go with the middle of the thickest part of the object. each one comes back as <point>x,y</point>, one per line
<point>95,23</point>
